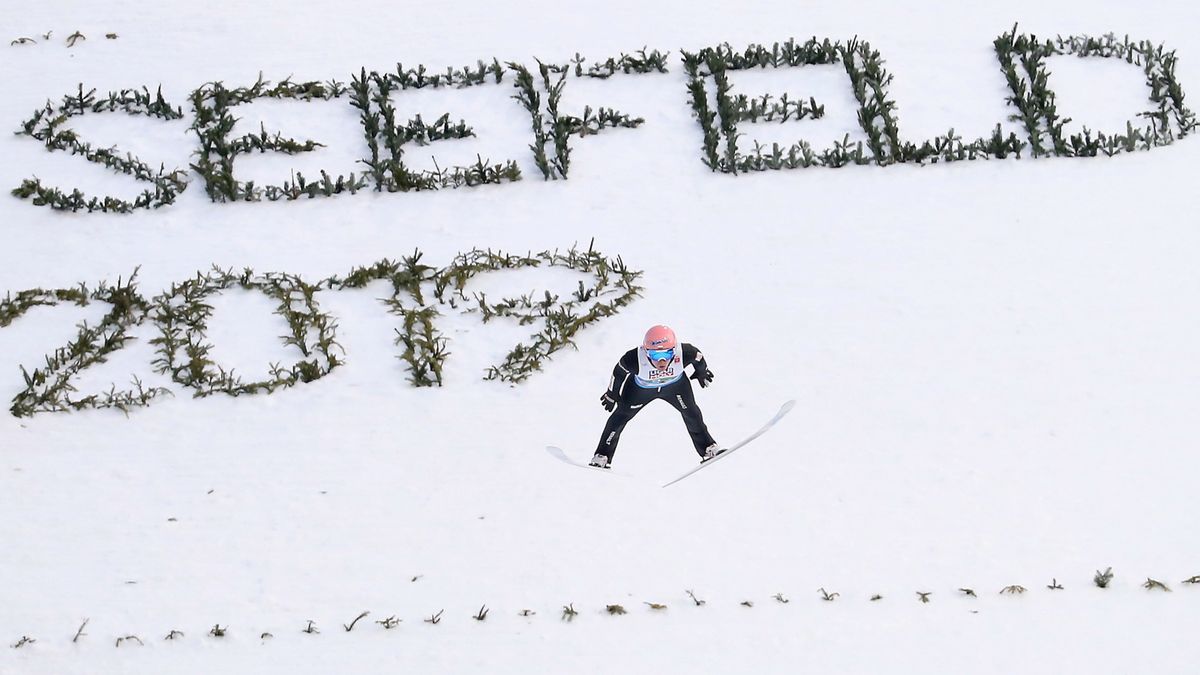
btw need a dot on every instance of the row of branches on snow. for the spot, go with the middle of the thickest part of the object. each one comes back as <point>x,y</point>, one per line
<point>569,612</point>
<point>527,95</point>
<point>386,136</point>
<point>642,61</point>
<point>561,319</point>
<point>70,41</point>
<point>869,81</point>
<point>1022,60</point>
<point>48,388</point>
<point>421,77</point>
<point>553,127</point>
<point>182,315</point>
<point>419,294</point>
<point>14,307</point>
<point>721,124</point>
<point>424,347</point>
<point>612,286</point>
<point>763,107</point>
<point>214,125</point>
<point>49,125</point>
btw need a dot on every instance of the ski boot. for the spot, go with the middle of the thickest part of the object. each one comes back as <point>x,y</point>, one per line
<point>710,452</point>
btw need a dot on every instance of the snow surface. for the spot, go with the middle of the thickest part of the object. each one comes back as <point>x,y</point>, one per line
<point>995,366</point>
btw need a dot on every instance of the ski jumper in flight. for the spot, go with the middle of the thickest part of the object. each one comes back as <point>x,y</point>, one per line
<point>655,370</point>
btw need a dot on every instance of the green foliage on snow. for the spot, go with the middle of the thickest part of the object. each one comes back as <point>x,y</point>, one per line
<point>182,315</point>
<point>386,137</point>
<point>420,295</point>
<point>214,125</point>
<point>50,125</point>
<point>425,349</point>
<point>1022,58</point>
<point>49,388</point>
<point>868,79</point>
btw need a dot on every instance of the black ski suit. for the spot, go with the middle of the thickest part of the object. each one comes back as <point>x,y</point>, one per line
<point>631,398</point>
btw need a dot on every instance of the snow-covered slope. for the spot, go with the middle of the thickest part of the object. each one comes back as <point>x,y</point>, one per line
<point>994,364</point>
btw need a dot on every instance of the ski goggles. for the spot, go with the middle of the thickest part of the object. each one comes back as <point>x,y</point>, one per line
<point>657,355</point>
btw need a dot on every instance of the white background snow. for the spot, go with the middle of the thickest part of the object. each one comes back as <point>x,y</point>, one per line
<point>995,366</point>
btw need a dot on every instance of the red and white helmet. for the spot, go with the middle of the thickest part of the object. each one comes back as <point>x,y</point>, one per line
<point>658,338</point>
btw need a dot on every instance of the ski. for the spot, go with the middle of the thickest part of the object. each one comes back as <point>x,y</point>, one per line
<point>783,410</point>
<point>561,455</point>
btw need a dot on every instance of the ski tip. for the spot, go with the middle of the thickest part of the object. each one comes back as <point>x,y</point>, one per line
<point>788,406</point>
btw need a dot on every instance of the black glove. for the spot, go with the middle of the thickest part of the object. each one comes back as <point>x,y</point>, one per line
<point>608,402</point>
<point>703,377</point>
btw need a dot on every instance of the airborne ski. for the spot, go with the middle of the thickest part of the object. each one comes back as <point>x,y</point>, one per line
<point>561,455</point>
<point>783,410</point>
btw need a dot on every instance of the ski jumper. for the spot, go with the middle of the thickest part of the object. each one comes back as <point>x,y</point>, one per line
<point>636,381</point>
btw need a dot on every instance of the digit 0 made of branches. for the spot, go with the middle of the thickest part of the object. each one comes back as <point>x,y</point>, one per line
<point>182,315</point>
